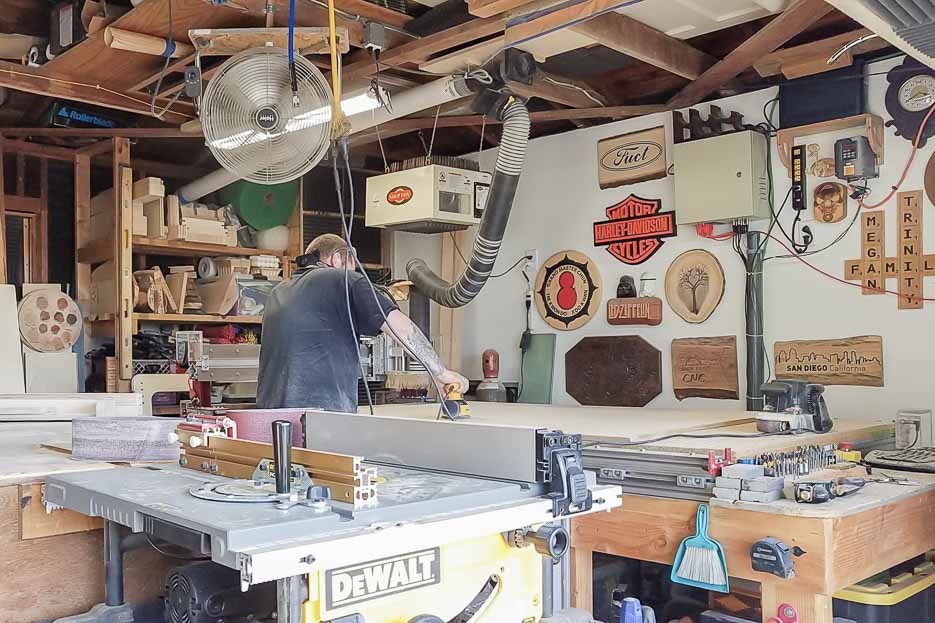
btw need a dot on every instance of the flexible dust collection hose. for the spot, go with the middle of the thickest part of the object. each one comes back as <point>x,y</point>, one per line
<point>510,159</point>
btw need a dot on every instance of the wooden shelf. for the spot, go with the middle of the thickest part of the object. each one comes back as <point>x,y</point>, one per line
<point>104,327</point>
<point>196,318</point>
<point>103,250</point>
<point>872,125</point>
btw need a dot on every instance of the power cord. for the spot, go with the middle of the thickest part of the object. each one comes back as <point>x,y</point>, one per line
<point>627,444</point>
<point>342,148</point>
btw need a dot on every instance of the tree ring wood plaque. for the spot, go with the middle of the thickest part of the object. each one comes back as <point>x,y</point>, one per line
<point>694,285</point>
<point>705,367</point>
<point>613,371</point>
<point>568,290</point>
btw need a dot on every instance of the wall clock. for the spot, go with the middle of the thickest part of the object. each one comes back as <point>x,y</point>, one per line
<point>910,94</point>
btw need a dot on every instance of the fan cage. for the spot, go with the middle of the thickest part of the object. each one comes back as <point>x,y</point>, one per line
<point>252,124</point>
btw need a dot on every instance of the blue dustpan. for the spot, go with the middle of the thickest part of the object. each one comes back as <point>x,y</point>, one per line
<point>700,560</point>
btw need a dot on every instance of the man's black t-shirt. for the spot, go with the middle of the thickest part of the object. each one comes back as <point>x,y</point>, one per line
<point>308,356</point>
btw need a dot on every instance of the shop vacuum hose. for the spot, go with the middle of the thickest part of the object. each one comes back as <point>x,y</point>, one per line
<point>510,158</point>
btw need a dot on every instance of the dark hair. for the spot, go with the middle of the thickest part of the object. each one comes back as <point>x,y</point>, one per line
<point>326,245</point>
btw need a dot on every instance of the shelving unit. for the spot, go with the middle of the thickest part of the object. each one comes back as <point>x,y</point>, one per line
<point>130,252</point>
<point>871,124</point>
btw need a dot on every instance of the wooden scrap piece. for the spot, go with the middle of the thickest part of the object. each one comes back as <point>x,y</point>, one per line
<point>125,439</point>
<point>705,367</point>
<point>36,522</point>
<point>846,361</point>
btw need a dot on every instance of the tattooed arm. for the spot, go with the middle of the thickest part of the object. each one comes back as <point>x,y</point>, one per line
<point>418,344</point>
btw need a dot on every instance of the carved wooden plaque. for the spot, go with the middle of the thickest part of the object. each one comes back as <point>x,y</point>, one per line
<point>645,310</point>
<point>830,202</point>
<point>568,290</point>
<point>705,367</point>
<point>630,158</point>
<point>845,361</point>
<point>694,285</point>
<point>613,371</point>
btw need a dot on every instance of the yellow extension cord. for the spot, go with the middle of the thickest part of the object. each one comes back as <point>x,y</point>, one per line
<point>339,125</point>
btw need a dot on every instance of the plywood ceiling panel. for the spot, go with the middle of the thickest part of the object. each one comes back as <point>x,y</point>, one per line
<point>682,19</point>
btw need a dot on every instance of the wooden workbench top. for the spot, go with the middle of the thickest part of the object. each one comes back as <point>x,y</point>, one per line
<point>24,459</point>
<point>872,495</point>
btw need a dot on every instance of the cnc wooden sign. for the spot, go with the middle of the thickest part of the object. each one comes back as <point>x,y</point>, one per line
<point>631,158</point>
<point>568,290</point>
<point>910,265</point>
<point>705,367</point>
<point>694,285</point>
<point>613,371</point>
<point>846,361</point>
<point>635,229</point>
<point>643,310</point>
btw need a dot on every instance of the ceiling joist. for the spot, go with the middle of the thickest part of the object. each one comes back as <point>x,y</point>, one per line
<point>796,18</point>
<point>28,79</point>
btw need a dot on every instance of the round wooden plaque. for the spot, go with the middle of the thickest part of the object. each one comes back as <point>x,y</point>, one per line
<point>694,285</point>
<point>568,290</point>
<point>49,321</point>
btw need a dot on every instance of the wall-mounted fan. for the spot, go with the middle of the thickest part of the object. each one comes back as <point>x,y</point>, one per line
<point>254,125</point>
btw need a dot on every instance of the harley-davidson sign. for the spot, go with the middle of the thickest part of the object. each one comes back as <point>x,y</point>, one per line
<point>635,229</point>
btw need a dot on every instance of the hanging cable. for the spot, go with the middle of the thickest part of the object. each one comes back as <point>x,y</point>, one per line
<point>902,177</point>
<point>165,67</point>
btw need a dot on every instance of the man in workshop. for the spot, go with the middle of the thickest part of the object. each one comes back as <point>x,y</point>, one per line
<point>309,357</point>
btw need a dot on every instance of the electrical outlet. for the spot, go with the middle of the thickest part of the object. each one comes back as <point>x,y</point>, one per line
<point>534,262</point>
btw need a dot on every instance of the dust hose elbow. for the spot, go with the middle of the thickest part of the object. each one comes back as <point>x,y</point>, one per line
<point>493,224</point>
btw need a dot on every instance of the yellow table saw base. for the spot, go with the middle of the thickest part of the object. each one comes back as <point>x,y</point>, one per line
<point>438,581</point>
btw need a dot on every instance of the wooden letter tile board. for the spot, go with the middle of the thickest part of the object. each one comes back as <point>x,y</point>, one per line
<point>910,265</point>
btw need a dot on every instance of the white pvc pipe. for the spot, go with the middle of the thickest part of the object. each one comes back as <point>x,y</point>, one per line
<point>422,97</point>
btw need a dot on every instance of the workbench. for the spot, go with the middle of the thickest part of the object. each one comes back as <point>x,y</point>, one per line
<point>846,540</point>
<point>51,563</point>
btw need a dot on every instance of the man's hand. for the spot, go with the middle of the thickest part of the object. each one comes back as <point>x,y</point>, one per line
<point>452,377</point>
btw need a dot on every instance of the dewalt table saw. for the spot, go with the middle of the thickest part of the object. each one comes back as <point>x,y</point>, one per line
<point>434,522</point>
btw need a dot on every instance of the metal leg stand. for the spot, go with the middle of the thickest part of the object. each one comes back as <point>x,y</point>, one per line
<point>113,564</point>
<point>291,593</point>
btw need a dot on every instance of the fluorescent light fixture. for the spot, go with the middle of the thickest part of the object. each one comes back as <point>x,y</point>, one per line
<point>353,105</point>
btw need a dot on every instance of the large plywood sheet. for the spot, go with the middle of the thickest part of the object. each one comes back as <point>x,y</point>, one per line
<point>11,350</point>
<point>594,423</point>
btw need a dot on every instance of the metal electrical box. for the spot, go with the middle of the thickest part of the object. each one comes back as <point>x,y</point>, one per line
<point>722,178</point>
<point>427,199</point>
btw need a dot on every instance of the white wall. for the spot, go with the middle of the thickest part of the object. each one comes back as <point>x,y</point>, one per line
<point>559,200</point>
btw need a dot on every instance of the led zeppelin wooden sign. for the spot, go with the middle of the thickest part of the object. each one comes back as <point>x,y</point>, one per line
<point>568,290</point>
<point>635,230</point>
<point>631,158</point>
<point>646,310</point>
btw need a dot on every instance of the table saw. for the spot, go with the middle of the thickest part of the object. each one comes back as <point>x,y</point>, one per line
<point>439,521</point>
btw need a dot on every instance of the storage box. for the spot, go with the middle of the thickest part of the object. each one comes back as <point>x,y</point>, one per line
<point>235,295</point>
<point>891,597</point>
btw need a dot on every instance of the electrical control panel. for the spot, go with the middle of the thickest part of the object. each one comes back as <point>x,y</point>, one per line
<point>721,178</point>
<point>854,160</point>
